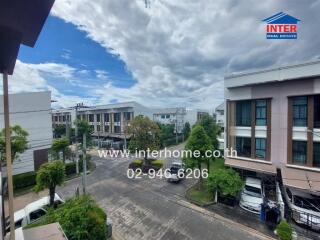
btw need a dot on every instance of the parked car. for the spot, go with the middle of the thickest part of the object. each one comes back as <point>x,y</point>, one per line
<point>176,172</point>
<point>252,195</point>
<point>305,208</point>
<point>32,212</point>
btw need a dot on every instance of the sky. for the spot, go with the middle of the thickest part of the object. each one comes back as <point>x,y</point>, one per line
<point>172,53</point>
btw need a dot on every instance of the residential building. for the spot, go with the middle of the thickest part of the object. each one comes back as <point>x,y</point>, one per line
<point>219,116</point>
<point>174,116</point>
<point>193,115</point>
<point>107,121</point>
<point>32,111</point>
<point>273,121</point>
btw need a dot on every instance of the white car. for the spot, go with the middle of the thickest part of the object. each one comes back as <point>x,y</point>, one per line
<point>252,195</point>
<point>305,208</point>
<point>32,212</point>
<point>176,172</point>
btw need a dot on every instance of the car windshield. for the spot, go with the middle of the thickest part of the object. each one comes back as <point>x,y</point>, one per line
<point>252,191</point>
<point>307,203</point>
<point>174,170</point>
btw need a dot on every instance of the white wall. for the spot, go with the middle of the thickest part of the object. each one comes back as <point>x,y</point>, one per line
<point>32,111</point>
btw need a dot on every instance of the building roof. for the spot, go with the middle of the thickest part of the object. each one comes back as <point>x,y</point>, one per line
<point>220,107</point>
<point>169,110</point>
<point>275,74</point>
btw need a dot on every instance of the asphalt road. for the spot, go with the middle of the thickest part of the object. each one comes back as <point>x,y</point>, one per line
<point>149,208</point>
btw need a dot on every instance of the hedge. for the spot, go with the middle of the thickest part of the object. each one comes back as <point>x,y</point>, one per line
<point>24,180</point>
<point>28,179</point>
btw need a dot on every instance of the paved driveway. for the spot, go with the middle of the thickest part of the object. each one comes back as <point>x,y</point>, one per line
<point>151,208</point>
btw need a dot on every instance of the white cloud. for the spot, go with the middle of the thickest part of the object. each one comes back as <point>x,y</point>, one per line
<point>32,78</point>
<point>179,51</point>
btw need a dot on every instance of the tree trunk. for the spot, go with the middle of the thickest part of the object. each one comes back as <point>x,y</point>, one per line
<point>200,178</point>
<point>64,156</point>
<point>52,191</point>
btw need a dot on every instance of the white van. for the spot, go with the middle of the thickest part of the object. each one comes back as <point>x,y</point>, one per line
<point>32,212</point>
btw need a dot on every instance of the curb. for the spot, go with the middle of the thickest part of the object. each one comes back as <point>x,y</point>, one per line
<point>203,211</point>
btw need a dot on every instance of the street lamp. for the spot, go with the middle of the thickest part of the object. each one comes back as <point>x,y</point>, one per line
<point>20,23</point>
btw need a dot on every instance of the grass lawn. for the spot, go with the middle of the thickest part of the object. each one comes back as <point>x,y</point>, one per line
<point>204,196</point>
<point>200,197</point>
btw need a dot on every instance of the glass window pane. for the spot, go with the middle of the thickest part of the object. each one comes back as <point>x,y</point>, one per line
<point>243,146</point>
<point>316,154</point>
<point>317,111</point>
<point>299,155</point>
<point>260,147</point>
<point>243,113</point>
<point>300,111</point>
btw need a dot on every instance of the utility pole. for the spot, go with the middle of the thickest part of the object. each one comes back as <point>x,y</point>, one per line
<point>8,152</point>
<point>84,162</point>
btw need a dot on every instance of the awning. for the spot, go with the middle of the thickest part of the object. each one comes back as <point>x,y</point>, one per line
<point>250,165</point>
<point>301,179</point>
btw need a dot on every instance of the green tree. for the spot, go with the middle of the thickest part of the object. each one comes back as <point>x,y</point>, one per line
<point>284,230</point>
<point>59,131</point>
<point>145,134</point>
<point>166,133</point>
<point>186,130</point>
<point>49,176</point>
<point>211,128</point>
<point>226,182</point>
<point>198,143</point>
<point>61,145</point>
<point>80,218</point>
<point>19,142</point>
<point>84,128</point>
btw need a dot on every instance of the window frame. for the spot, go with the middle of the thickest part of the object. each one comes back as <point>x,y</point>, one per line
<point>242,121</point>
<point>300,108</point>
<point>243,143</point>
<point>260,147</point>
<point>261,109</point>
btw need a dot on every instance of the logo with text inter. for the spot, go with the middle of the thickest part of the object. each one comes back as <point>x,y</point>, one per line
<point>281,26</point>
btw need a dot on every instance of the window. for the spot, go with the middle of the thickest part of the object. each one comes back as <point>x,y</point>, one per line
<point>261,148</point>
<point>299,155</point>
<point>92,128</point>
<point>127,116</point>
<point>117,117</point>
<point>300,111</point>
<point>316,154</point>
<point>98,117</point>
<point>63,118</point>
<point>117,129</point>
<point>98,128</point>
<point>163,116</point>
<point>35,215</point>
<point>168,116</point>
<point>243,113</point>
<point>243,146</point>
<point>106,117</point>
<point>106,128</point>
<point>261,112</point>
<point>18,224</point>
<point>56,118</point>
<point>91,118</point>
<point>317,111</point>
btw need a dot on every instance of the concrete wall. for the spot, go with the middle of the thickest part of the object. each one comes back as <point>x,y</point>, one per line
<point>32,111</point>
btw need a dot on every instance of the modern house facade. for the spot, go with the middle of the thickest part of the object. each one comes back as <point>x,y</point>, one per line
<point>31,111</point>
<point>173,116</point>
<point>219,114</point>
<point>109,120</point>
<point>273,121</point>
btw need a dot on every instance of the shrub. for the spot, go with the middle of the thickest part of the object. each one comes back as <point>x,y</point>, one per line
<point>157,163</point>
<point>284,230</point>
<point>226,181</point>
<point>137,162</point>
<point>24,180</point>
<point>80,218</point>
<point>71,167</point>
